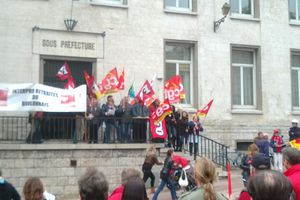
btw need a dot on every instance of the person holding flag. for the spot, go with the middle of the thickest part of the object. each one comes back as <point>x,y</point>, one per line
<point>194,128</point>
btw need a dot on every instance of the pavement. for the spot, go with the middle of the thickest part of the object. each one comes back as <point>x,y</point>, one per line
<point>221,186</point>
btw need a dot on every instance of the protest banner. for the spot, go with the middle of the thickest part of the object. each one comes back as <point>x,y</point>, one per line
<point>38,97</point>
<point>159,130</point>
<point>174,91</point>
<point>161,112</point>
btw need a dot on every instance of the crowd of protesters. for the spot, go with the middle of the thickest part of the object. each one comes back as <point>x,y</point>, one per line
<point>262,184</point>
<point>283,181</point>
<point>270,169</point>
<point>126,122</point>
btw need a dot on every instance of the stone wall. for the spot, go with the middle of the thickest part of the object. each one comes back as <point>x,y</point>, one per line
<point>52,163</point>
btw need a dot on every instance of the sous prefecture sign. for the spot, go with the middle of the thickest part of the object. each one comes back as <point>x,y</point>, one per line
<point>66,43</point>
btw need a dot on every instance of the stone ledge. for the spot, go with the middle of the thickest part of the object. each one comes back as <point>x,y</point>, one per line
<point>76,146</point>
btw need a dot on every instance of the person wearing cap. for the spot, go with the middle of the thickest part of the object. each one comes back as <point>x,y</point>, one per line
<point>259,162</point>
<point>294,131</point>
<point>291,162</point>
<point>276,143</point>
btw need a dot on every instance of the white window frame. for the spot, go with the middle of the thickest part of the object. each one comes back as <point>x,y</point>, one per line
<point>187,62</point>
<point>240,14</point>
<point>297,20</point>
<point>242,66</point>
<point>296,70</point>
<point>108,2</point>
<point>177,8</point>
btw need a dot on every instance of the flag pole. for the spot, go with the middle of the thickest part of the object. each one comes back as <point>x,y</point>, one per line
<point>229,181</point>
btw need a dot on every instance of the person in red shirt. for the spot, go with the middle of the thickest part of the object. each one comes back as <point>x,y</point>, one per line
<point>291,162</point>
<point>185,165</point>
<point>276,143</point>
<point>126,176</point>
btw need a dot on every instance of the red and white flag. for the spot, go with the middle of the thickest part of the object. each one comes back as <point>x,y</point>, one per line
<point>174,91</point>
<point>163,110</point>
<point>110,82</point>
<point>146,94</point>
<point>64,72</point>
<point>159,130</point>
<point>70,84</point>
<point>203,112</point>
<point>121,85</point>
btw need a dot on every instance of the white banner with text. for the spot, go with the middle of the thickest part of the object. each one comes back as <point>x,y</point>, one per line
<point>38,97</point>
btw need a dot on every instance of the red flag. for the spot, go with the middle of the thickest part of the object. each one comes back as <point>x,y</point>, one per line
<point>93,88</point>
<point>70,84</point>
<point>204,111</point>
<point>121,80</point>
<point>146,94</point>
<point>110,82</point>
<point>161,112</point>
<point>174,90</point>
<point>89,81</point>
<point>158,130</point>
<point>64,72</point>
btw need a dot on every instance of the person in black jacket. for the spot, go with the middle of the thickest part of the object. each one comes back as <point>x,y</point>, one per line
<point>7,190</point>
<point>194,129</point>
<point>246,162</point>
<point>166,177</point>
<point>181,128</point>
<point>294,131</point>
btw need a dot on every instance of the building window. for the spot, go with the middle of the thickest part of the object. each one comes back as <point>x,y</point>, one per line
<point>110,2</point>
<point>244,78</point>
<point>242,7</point>
<point>179,5</point>
<point>179,62</point>
<point>295,62</point>
<point>294,9</point>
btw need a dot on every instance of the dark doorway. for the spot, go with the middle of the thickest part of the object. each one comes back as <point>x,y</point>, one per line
<point>61,125</point>
<point>51,68</point>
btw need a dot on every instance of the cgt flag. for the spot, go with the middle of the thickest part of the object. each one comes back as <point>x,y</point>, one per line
<point>203,112</point>
<point>146,94</point>
<point>64,72</point>
<point>110,82</point>
<point>161,112</point>
<point>159,130</point>
<point>174,91</point>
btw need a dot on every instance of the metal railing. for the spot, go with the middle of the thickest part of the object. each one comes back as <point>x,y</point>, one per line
<point>77,128</point>
<point>211,149</point>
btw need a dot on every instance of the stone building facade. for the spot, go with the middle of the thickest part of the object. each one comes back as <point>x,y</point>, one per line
<point>249,66</point>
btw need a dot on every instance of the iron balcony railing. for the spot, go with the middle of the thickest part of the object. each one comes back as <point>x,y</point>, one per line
<point>211,149</point>
<point>77,128</point>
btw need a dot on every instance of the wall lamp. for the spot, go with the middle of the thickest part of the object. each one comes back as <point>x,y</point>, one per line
<point>70,23</point>
<point>225,11</point>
